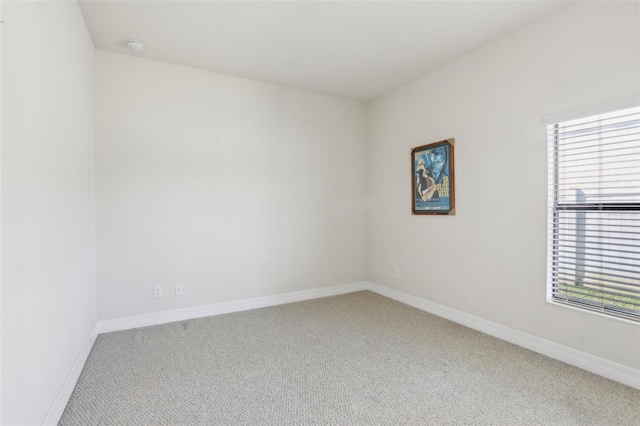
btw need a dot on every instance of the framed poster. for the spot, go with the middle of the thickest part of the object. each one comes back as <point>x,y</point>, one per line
<point>432,181</point>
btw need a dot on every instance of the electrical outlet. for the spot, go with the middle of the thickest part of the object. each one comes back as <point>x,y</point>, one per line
<point>396,274</point>
<point>157,291</point>
<point>178,289</point>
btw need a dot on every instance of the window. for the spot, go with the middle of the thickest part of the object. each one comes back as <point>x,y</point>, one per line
<point>594,213</point>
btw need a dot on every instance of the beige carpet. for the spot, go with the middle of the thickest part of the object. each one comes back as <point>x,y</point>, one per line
<point>357,359</point>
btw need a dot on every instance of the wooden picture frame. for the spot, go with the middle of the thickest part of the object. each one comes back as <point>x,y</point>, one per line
<point>432,179</point>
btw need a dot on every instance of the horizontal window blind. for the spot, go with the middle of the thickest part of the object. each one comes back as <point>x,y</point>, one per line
<point>594,212</point>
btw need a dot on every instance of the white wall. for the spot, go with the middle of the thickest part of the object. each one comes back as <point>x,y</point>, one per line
<point>489,260</point>
<point>48,276</point>
<point>232,188</point>
<point>0,215</point>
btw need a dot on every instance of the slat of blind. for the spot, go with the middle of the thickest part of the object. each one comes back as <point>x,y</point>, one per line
<point>629,120</point>
<point>614,153</point>
<point>574,181</point>
<point>589,265</point>
<point>622,261</point>
<point>624,292</point>
<point>623,118</point>
<point>629,162</point>
<point>622,240</point>
<point>569,218</point>
<point>576,274</point>
<point>581,271</point>
<point>603,297</point>
<point>570,276</point>
<point>609,246</point>
<point>598,136</point>
<point>598,203</point>
<point>575,268</point>
<point>604,131</point>
<point>575,263</point>
<point>587,146</point>
<point>603,233</point>
<point>567,148</point>
<point>626,202</point>
<point>599,254</point>
<point>597,161</point>
<point>594,194</point>
<point>590,189</point>
<point>600,295</point>
<point>601,218</point>
<point>588,197</point>
<point>595,256</point>
<point>587,228</point>
<point>608,163</point>
<point>600,243</point>
<point>625,163</point>
<point>612,295</point>
<point>586,132</point>
<point>586,193</point>
<point>611,140</point>
<point>626,180</point>
<point>570,229</point>
<point>630,307</point>
<point>596,217</point>
<point>606,303</point>
<point>601,203</point>
<point>565,225</point>
<point>598,165</point>
<point>601,137</point>
<point>594,285</point>
<point>620,221</point>
<point>581,169</point>
<point>603,200</point>
<point>602,171</point>
<point>593,237</point>
<point>626,118</point>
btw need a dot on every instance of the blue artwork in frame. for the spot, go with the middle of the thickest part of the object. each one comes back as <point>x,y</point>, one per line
<point>432,179</point>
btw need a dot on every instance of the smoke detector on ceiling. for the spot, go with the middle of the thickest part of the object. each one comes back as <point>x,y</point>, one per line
<point>135,45</point>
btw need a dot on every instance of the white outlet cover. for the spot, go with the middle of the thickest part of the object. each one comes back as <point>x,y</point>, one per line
<point>157,291</point>
<point>179,290</point>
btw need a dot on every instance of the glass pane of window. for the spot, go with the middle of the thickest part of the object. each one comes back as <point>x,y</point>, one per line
<point>594,190</point>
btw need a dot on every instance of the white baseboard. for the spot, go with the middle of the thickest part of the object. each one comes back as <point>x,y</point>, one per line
<point>609,369</point>
<point>60,403</point>
<point>145,320</point>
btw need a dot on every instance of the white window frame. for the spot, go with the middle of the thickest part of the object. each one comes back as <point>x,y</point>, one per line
<point>630,102</point>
